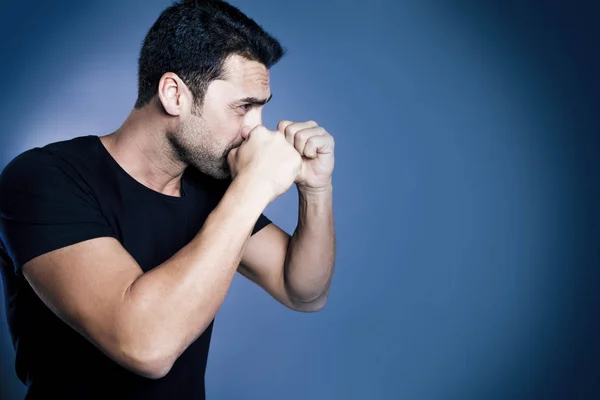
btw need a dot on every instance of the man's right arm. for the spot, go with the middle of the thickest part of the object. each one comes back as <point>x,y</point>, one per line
<point>144,321</point>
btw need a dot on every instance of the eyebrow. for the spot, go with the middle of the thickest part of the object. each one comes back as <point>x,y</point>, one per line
<point>255,101</point>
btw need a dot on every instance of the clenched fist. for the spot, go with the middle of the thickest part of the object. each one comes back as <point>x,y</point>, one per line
<point>267,160</point>
<point>315,145</point>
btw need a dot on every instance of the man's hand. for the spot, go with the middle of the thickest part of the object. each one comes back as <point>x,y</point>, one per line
<point>266,160</point>
<point>315,145</point>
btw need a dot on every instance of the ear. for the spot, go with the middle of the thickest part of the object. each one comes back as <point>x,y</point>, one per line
<point>174,95</point>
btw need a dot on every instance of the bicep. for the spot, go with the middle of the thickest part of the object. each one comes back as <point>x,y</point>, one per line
<point>57,237</point>
<point>264,259</point>
<point>84,284</point>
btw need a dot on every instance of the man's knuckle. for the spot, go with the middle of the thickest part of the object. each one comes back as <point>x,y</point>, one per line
<point>303,135</point>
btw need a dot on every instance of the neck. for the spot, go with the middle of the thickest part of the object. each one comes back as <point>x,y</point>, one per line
<point>142,149</point>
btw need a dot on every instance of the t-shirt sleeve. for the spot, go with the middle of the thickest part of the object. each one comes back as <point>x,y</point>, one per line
<point>262,221</point>
<point>45,205</point>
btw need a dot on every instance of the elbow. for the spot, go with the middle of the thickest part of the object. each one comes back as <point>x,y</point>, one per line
<point>149,361</point>
<point>142,348</point>
<point>311,306</point>
<point>152,369</point>
<point>307,300</point>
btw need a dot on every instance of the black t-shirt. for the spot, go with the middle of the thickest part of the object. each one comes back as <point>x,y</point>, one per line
<point>67,192</point>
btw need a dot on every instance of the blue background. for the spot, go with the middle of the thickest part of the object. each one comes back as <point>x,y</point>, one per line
<point>467,189</point>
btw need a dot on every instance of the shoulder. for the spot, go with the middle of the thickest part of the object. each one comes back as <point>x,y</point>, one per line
<point>28,165</point>
<point>43,170</point>
<point>52,156</point>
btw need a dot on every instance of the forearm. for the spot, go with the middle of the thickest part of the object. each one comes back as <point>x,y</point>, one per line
<point>168,307</point>
<point>311,253</point>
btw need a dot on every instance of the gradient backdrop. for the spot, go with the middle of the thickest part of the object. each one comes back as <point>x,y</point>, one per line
<point>467,189</point>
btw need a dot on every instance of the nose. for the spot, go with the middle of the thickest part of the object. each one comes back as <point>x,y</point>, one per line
<point>253,118</point>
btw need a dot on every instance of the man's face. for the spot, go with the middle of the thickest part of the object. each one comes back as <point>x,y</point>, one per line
<point>232,107</point>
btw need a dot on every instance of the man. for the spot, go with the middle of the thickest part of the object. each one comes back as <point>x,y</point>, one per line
<point>118,250</point>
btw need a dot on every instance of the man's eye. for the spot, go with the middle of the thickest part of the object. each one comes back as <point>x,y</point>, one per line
<point>246,107</point>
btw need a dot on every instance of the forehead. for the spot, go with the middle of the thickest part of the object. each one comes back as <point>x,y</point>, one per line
<point>250,77</point>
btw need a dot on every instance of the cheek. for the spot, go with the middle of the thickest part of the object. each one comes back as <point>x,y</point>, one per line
<point>230,129</point>
<point>224,124</point>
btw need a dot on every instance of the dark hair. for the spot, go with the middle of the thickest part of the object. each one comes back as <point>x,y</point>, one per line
<point>193,38</point>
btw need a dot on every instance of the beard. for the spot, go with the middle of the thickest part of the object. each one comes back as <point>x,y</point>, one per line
<point>196,145</point>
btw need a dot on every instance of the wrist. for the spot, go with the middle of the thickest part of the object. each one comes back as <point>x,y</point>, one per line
<point>251,193</point>
<point>325,189</point>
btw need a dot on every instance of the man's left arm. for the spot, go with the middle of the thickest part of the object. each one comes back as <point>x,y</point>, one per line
<point>297,270</point>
